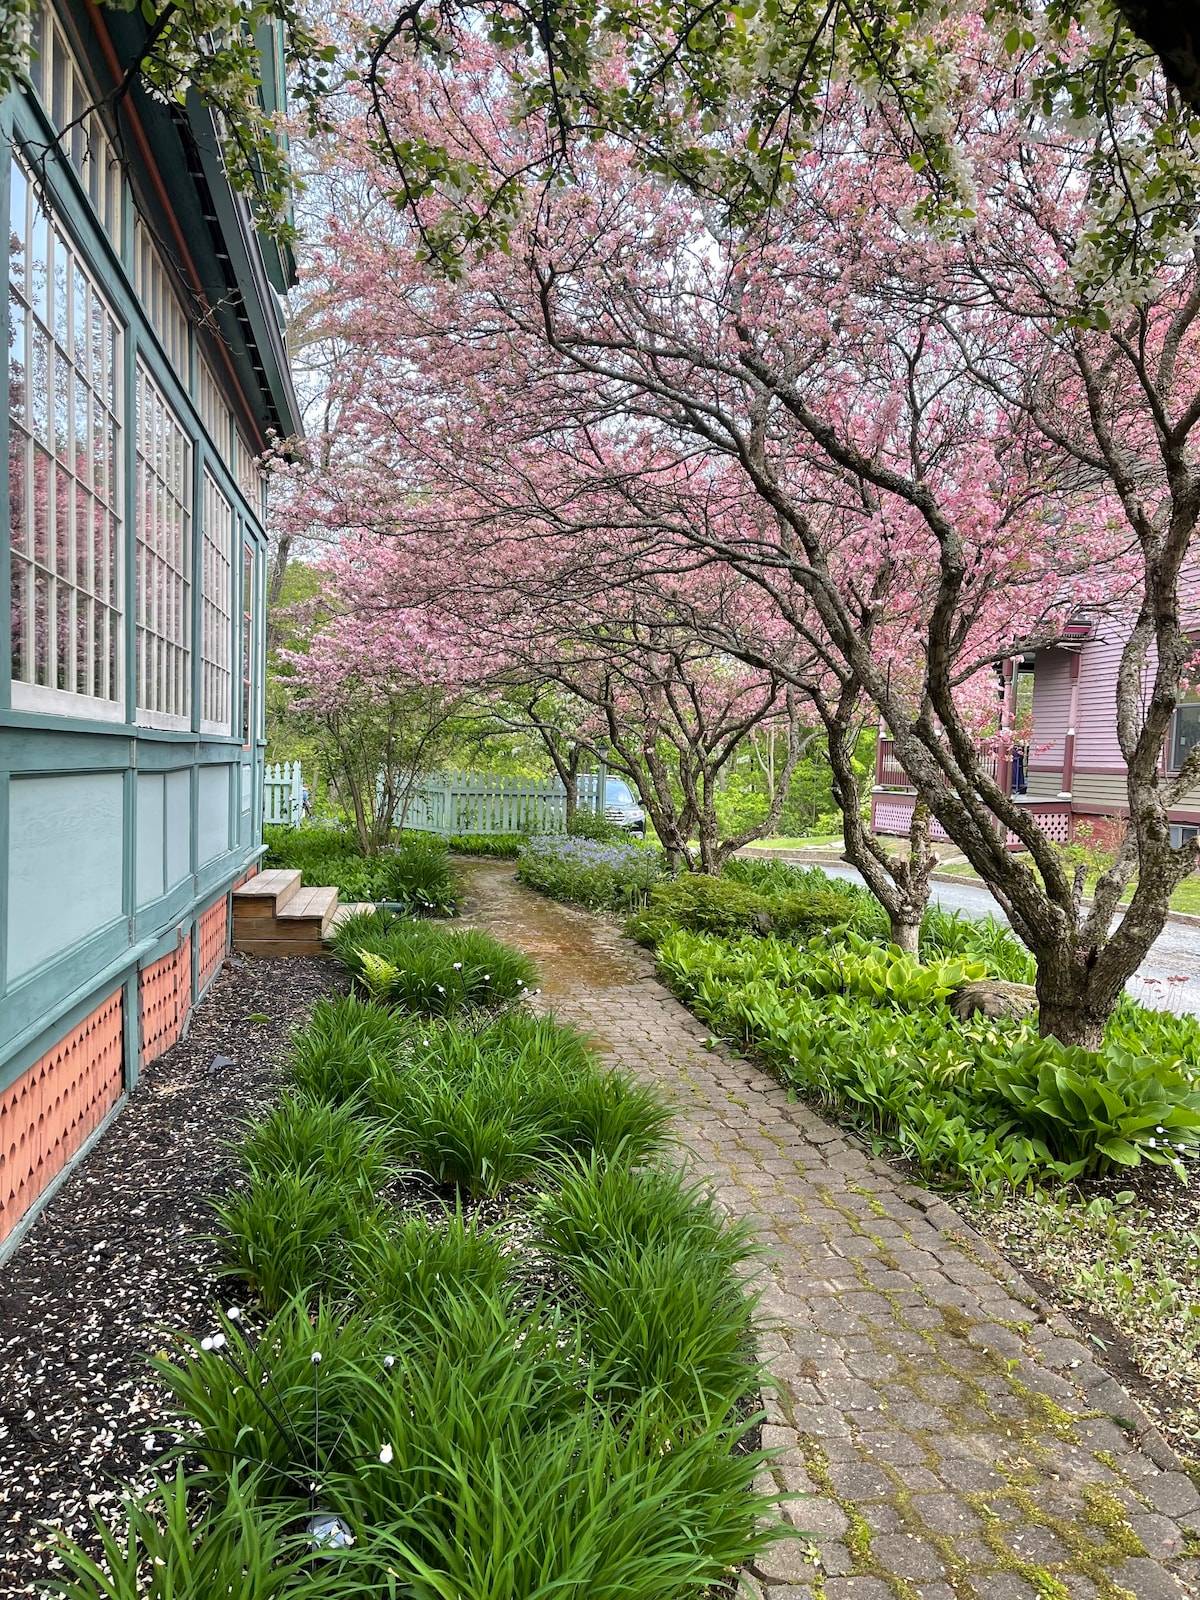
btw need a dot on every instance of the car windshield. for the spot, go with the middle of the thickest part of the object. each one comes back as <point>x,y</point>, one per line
<point>616,793</point>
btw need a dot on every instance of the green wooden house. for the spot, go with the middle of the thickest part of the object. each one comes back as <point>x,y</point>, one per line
<point>144,364</point>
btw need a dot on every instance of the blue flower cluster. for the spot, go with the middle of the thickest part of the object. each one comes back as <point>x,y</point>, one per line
<point>602,876</point>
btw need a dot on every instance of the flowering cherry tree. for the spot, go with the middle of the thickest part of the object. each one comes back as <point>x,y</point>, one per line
<point>921,449</point>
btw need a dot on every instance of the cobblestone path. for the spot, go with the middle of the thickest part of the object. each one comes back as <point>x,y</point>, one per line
<point>956,1440</point>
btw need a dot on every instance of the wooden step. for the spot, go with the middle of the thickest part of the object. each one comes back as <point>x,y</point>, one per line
<point>278,887</point>
<point>344,911</point>
<point>309,908</point>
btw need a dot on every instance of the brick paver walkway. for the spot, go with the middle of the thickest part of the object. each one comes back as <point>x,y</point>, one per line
<point>955,1439</point>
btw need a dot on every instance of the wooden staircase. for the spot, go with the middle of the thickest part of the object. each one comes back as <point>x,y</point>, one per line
<point>275,915</point>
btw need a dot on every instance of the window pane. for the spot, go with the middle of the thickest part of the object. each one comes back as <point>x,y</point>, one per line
<point>1187,733</point>
<point>163,578</point>
<point>64,439</point>
<point>216,609</point>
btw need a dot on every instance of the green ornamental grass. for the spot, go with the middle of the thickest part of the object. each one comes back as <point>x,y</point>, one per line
<point>422,967</point>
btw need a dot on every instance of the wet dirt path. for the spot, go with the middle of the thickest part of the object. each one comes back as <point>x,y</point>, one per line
<point>955,1436</point>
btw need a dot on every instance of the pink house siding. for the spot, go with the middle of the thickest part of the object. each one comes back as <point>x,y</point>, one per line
<point>1051,713</point>
<point>1096,747</point>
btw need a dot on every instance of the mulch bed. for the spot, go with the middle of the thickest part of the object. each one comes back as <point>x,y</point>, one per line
<point>120,1254</point>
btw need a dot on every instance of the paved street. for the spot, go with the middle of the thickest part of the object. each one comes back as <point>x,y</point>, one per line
<point>951,1439</point>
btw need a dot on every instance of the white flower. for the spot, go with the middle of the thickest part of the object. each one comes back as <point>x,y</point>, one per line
<point>389,1361</point>
<point>425,1041</point>
<point>386,1454</point>
<point>458,966</point>
<point>1160,1130</point>
<point>439,988</point>
<point>487,977</point>
<point>316,1358</point>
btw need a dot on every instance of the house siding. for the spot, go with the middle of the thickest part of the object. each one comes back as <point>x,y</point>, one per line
<point>1051,716</point>
<point>1096,747</point>
<point>120,840</point>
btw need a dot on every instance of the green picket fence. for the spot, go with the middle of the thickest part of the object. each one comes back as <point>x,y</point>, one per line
<point>477,803</point>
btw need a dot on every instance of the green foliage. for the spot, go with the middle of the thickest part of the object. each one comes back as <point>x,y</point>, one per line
<point>292,1233</point>
<point>556,1405</point>
<point>603,877</point>
<point>701,903</point>
<point>480,1107</point>
<point>949,933</point>
<point>654,1265</point>
<point>864,1031</point>
<point>1096,1111</point>
<point>586,824</point>
<point>415,875</point>
<point>498,846</point>
<point>422,967</point>
<point>167,1551</point>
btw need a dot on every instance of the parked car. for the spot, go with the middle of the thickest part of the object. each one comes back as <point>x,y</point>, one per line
<point>621,809</point>
<point>620,805</point>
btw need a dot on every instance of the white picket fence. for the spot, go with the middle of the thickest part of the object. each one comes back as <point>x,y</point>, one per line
<point>474,802</point>
<point>283,793</point>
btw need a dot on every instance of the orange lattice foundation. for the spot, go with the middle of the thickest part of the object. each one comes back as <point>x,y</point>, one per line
<point>48,1113</point>
<point>212,940</point>
<point>165,993</point>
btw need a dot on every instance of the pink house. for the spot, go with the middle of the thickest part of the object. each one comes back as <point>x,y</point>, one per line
<point>1070,768</point>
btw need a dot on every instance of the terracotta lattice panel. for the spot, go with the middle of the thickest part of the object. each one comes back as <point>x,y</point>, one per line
<point>165,993</point>
<point>48,1113</point>
<point>213,939</point>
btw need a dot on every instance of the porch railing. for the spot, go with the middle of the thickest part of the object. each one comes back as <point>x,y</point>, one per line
<point>889,774</point>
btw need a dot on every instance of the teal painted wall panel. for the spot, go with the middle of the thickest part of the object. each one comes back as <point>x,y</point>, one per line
<point>179,826</point>
<point>65,863</point>
<point>150,841</point>
<point>212,821</point>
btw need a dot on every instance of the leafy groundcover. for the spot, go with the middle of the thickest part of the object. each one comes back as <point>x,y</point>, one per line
<point>414,875</point>
<point>484,1341</point>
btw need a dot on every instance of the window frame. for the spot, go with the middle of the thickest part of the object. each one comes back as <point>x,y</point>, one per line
<point>1170,764</point>
<point>93,374</point>
<point>217,612</point>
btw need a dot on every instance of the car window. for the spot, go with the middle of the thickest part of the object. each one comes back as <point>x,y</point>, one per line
<point>617,793</point>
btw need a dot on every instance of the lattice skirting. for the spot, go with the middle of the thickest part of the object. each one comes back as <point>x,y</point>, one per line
<point>894,815</point>
<point>165,993</point>
<point>1056,825</point>
<point>212,940</point>
<point>49,1112</point>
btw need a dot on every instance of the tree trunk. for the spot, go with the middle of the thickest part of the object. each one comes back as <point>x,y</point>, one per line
<point>1070,1023</point>
<point>906,933</point>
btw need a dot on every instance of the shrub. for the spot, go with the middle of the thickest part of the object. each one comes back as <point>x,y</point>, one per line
<point>420,967</point>
<point>502,846</point>
<point>703,904</point>
<point>587,825</point>
<point>415,874</point>
<point>603,877</point>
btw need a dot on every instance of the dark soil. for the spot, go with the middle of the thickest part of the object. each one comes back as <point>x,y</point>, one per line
<point>121,1254</point>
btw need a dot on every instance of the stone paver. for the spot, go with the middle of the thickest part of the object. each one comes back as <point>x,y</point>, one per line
<point>958,1440</point>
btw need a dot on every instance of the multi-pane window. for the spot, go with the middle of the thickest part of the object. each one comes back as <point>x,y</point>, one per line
<point>69,104</point>
<point>163,495</point>
<point>64,376</point>
<point>159,300</point>
<point>214,413</point>
<point>216,612</point>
